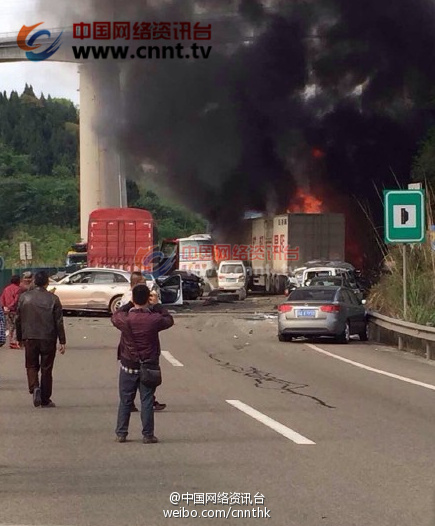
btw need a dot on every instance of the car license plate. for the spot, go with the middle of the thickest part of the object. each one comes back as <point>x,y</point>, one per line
<point>306,313</point>
<point>231,279</point>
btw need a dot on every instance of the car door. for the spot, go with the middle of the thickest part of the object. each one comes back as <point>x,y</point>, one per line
<point>353,311</point>
<point>360,312</point>
<point>71,290</point>
<point>171,290</point>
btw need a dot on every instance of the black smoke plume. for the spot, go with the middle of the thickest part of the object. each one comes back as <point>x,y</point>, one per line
<point>236,131</point>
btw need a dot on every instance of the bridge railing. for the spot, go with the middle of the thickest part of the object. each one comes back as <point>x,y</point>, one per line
<point>403,329</point>
<point>11,38</point>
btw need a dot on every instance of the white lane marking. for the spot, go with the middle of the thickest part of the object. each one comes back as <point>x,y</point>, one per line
<point>273,424</point>
<point>372,369</point>
<point>173,361</point>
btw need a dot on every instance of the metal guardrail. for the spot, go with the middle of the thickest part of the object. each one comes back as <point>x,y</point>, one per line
<point>404,328</point>
<point>11,38</point>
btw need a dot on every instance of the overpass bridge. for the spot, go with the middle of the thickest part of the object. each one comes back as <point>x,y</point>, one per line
<point>102,181</point>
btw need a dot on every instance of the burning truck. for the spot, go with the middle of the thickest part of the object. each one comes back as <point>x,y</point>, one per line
<point>273,247</point>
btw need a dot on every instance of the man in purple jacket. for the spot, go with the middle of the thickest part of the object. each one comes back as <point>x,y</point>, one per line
<point>140,329</point>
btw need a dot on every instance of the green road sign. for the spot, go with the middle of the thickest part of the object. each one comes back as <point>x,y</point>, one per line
<point>404,216</point>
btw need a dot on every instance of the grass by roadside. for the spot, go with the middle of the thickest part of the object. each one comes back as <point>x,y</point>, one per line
<point>386,297</point>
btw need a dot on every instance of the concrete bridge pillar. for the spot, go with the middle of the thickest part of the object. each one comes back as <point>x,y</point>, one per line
<point>102,182</point>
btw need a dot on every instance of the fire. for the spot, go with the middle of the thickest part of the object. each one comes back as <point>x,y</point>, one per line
<point>318,153</point>
<point>304,202</point>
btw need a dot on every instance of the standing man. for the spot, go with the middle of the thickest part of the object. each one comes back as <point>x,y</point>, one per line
<point>9,302</point>
<point>26,281</point>
<point>140,328</point>
<point>126,304</point>
<point>39,326</point>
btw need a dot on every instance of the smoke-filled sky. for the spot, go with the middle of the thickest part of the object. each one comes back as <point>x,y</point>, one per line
<point>352,81</point>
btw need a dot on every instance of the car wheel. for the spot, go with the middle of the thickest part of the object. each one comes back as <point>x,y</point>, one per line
<point>344,337</point>
<point>115,304</point>
<point>364,335</point>
<point>284,338</point>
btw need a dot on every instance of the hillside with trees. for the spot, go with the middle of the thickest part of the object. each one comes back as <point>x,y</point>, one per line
<point>39,181</point>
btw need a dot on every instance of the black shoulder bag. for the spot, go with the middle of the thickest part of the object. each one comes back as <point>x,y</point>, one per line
<point>150,372</point>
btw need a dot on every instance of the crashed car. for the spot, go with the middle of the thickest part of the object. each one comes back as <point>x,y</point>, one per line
<point>193,285</point>
<point>101,289</point>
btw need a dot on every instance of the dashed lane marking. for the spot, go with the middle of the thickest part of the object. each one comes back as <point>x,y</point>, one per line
<point>270,422</point>
<point>173,361</point>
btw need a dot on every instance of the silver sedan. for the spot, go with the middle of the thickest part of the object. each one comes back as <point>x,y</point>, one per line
<point>322,311</point>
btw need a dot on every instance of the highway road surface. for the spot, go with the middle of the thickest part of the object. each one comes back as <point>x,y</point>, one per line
<point>294,434</point>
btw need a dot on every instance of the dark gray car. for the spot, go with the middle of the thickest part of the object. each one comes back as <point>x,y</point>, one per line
<point>322,311</point>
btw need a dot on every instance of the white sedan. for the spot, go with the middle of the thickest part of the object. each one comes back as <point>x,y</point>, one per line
<point>101,289</point>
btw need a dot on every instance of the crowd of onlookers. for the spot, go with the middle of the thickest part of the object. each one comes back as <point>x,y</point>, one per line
<point>32,318</point>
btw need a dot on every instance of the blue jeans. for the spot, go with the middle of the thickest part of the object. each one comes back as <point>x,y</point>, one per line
<point>128,386</point>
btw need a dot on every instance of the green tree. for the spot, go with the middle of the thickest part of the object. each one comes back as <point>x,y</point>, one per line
<point>37,201</point>
<point>12,163</point>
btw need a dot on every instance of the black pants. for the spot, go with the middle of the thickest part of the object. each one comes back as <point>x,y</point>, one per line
<point>40,356</point>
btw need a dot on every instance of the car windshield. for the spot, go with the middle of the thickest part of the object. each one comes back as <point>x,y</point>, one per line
<point>312,295</point>
<point>317,274</point>
<point>326,282</point>
<point>231,269</point>
<point>76,258</point>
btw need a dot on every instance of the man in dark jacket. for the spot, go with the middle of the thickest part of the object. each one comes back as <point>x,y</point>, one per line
<point>140,329</point>
<point>39,326</point>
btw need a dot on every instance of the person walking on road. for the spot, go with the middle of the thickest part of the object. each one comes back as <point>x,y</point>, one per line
<point>140,328</point>
<point>9,301</point>
<point>39,326</point>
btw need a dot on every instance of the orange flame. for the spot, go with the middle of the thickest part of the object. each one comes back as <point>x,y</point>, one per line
<point>304,202</point>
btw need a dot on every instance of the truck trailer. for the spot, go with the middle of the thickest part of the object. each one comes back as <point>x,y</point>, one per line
<point>282,243</point>
<point>121,238</point>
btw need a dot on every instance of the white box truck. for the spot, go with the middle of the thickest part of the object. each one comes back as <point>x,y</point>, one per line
<point>285,242</point>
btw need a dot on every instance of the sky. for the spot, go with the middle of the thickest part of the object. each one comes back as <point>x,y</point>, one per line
<point>55,79</point>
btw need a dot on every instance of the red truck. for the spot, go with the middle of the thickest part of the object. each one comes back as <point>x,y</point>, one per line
<point>121,238</point>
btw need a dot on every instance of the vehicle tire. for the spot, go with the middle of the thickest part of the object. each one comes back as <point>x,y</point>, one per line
<point>344,337</point>
<point>284,338</point>
<point>115,303</point>
<point>364,335</point>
